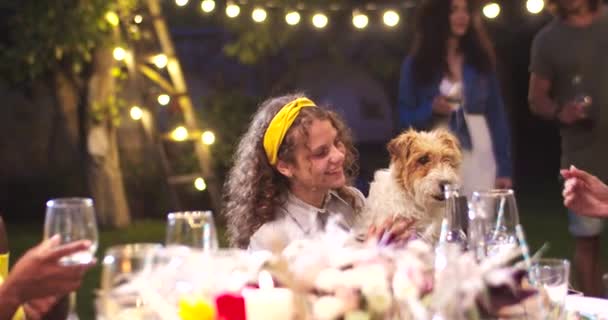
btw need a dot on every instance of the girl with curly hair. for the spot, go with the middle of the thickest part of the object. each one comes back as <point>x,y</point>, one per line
<point>293,169</point>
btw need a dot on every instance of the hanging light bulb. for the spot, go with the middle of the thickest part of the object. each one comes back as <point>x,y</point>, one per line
<point>160,60</point>
<point>112,18</point>
<point>491,10</point>
<point>292,18</point>
<point>258,15</point>
<point>535,6</point>
<point>319,20</point>
<point>232,10</point>
<point>360,20</point>
<point>390,18</point>
<point>181,3</point>
<point>119,53</point>
<point>199,184</point>
<point>179,134</point>
<point>208,137</point>
<point>208,5</point>
<point>138,19</point>
<point>136,113</point>
<point>163,99</point>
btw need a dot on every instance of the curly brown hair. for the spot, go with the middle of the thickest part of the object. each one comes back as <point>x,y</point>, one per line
<point>254,187</point>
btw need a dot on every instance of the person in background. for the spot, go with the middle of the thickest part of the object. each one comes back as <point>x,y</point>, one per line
<point>584,193</point>
<point>38,280</point>
<point>449,79</point>
<point>567,85</point>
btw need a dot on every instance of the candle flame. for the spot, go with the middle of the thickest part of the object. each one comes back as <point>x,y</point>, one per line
<point>265,280</point>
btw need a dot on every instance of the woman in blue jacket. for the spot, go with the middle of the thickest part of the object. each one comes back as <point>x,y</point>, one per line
<point>450,80</point>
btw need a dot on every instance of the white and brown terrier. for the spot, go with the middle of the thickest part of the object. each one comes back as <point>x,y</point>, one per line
<point>412,187</point>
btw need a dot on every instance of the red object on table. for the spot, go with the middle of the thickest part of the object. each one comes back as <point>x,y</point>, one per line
<point>230,306</point>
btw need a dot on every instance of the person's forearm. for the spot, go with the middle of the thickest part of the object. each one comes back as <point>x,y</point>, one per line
<point>544,107</point>
<point>9,302</point>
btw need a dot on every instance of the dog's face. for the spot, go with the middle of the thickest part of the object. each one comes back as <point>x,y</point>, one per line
<point>424,162</point>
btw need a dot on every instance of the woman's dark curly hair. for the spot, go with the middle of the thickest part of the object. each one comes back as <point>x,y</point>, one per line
<point>430,45</point>
<point>254,188</point>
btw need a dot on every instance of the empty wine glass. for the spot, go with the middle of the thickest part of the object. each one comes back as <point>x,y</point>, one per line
<point>121,263</point>
<point>72,219</point>
<point>194,229</point>
<point>496,209</point>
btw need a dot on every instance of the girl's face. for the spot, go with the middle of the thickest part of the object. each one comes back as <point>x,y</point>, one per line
<point>319,161</point>
<point>459,17</point>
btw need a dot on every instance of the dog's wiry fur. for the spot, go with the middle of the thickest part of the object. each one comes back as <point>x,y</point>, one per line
<point>412,187</point>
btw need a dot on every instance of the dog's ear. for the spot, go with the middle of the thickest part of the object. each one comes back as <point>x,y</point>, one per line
<point>448,139</point>
<point>400,145</point>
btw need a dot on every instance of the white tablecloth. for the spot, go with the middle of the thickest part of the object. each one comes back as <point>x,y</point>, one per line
<point>587,306</point>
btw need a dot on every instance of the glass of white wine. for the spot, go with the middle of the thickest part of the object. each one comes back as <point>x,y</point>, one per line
<point>73,219</point>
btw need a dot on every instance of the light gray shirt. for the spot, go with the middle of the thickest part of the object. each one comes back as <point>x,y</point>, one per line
<point>297,219</point>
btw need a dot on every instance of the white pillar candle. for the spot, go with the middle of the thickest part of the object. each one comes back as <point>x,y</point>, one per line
<point>268,303</point>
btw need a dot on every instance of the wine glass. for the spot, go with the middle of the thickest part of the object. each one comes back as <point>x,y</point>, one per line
<point>72,219</point>
<point>194,229</point>
<point>120,265</point>
<point>497,211</point>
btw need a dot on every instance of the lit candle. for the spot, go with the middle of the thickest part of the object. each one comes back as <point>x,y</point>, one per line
<point>268,302</point>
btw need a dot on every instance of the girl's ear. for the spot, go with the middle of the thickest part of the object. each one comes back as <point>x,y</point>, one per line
<point>284,168</point>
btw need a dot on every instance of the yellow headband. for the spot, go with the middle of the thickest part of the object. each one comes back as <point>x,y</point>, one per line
<point>280,124</point>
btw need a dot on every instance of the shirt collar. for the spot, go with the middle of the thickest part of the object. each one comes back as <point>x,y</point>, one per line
<point>304,214</point>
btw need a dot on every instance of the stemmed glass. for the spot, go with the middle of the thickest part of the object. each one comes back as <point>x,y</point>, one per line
<point>497,219</point>
<point>195,229</point>
<point>121,264</point>
<point>73,219</point>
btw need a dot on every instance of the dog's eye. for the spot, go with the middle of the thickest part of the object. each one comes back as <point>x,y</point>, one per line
<point>424,160</point>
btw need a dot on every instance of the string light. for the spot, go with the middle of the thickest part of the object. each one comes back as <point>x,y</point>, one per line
<point>181,3</point>
<point>360,20</point>
<point>491,10</point>
<point>208,138</point>
<point>163,99</point>
<point>208,5</point>
<point>390,18</point>
<point>138,18</point>
<point>258,15</point>
<point>535,6</point>
<point>199,184</point>
<point>319,20</point>
<point>292,18</point>
<point>179,134</point>
<point>232,10</point>
<point>119,53</point>
<point>112,18</point>
<point>136,113</point>
<point>160,60</point>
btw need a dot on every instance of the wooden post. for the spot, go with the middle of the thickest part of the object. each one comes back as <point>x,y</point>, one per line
<point>183,96</point>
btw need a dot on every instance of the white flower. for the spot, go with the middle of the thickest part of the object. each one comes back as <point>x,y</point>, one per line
<point>366,276</point>
<point>403,287</point>
<point>378,298</point>
<point>329,279</point>
<point>328,308</point>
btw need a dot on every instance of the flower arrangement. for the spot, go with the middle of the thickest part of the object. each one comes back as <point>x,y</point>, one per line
<point>323,279</point>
